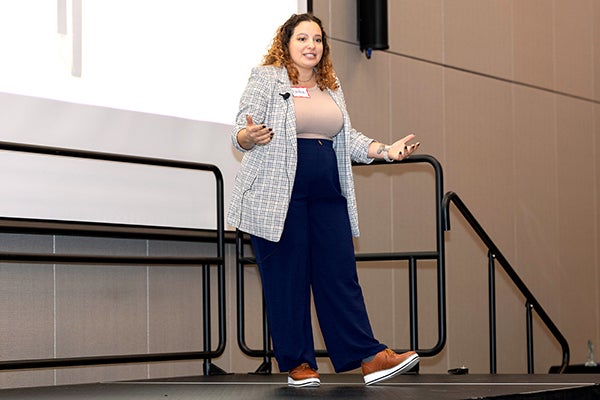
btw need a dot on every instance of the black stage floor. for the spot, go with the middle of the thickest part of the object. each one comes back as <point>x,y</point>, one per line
<point>342,386</point>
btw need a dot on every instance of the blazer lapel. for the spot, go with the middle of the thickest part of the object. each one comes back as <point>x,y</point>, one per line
<point>286,106</point>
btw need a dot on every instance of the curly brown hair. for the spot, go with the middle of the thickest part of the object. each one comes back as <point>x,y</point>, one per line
<point>279,53</point>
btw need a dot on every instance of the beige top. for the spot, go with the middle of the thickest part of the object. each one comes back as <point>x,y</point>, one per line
<point>317,115</point>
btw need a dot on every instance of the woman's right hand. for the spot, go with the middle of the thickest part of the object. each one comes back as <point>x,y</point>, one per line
<point>254,134</point>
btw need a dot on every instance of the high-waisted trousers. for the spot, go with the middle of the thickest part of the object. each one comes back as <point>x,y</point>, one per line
<point>315,252</point>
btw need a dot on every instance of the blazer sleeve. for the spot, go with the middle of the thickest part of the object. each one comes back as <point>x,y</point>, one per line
<point>358,142</point>
<point>254,102</point>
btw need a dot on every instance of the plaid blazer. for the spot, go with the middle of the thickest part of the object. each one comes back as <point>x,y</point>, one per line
<point>263,185</point>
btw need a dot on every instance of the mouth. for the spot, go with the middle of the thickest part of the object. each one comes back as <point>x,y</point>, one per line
<point>310,55</point>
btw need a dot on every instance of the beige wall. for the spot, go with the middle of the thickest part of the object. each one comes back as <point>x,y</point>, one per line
<point>503,93</point>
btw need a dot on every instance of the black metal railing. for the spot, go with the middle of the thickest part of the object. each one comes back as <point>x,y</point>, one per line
<point>38,226</point>
<point>436,254</point>
<point>442,203</point>
<point>531,303</point>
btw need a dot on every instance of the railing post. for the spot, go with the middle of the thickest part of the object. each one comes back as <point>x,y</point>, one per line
<point>206,315</point>
<point>239,255</point>
<point>492,306</point>
<point>266,366</point>
<point>529,324</point>
<point>414,320</point>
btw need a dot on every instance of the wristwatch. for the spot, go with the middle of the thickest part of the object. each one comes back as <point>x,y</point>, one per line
<point>384,148</point>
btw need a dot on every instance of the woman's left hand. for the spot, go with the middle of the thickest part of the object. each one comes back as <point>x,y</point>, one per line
<point>402,149</point>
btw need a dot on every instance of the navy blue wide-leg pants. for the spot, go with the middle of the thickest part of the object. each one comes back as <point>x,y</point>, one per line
<point>315,251</point>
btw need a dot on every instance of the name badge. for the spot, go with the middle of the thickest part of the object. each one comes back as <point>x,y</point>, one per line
<point>300,91</point>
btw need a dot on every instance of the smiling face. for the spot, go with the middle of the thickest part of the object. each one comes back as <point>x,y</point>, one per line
<point>306,46</point>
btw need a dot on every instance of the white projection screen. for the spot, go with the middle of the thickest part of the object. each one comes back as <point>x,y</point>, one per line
<point>155,78</point>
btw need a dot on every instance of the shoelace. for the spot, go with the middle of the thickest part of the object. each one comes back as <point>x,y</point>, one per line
<point>390,352</point>
<point>301,367</point>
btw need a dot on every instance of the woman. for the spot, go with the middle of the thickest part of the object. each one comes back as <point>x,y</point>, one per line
<point>294,195</point>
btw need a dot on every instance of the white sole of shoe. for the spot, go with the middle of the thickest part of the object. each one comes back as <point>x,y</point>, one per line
<point>401,368</point>
<point>310,382</point>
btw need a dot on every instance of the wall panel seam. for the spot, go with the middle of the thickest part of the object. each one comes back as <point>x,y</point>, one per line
<point>481,74</point>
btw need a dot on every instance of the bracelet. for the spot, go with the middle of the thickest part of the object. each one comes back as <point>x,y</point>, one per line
<point>384,148</point>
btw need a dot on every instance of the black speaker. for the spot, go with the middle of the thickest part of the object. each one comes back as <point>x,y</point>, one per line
<point>372,19</point>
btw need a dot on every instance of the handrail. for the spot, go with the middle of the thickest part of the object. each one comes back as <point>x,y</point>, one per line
<point>412,258</point>
<point>125,230</point>
<point>531,301</point>
<point>36,226</point>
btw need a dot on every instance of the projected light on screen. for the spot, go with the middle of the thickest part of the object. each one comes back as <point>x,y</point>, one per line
<point>183,58</point>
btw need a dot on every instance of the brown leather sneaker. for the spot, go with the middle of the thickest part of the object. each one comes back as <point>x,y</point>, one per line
<point>387,364</point>
<point>303,376</point>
